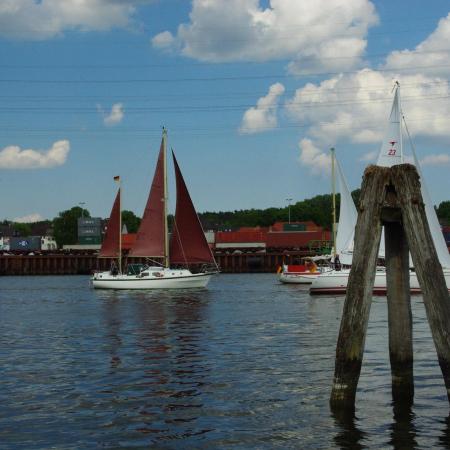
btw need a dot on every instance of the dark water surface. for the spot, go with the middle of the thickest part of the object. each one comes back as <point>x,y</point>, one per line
<point>246,364</point>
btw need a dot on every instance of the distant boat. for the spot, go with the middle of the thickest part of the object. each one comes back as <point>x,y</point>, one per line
<point>391,153</point>
<point>303,273</point>
<point>170,260</point>
<point>308,271</point>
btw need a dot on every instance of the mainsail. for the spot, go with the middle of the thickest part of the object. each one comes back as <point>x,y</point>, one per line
<point>150,239</point>
<point>391,153</point>
<point>347,220</point>
<point>111,243</point>
<point>433,222</point>
<point>188,243</point>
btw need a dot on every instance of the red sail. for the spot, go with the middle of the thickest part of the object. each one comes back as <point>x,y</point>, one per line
<point>188,243</point>
<point>111,244</point>
<point>150,239</point>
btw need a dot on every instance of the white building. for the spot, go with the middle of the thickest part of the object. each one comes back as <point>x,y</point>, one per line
<point>48,243</point>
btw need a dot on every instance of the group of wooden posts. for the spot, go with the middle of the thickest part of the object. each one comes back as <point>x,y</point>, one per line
<point>391,197</point>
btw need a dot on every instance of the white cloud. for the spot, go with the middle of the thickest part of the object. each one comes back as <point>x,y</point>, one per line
<point>325,33</point>
<point>30,218</point>
<point>435,160</point>
<point>164,40</point>
<point>430,57</point>
<point>311,156</point>
<point>31,19</point>
<point>263,116</point>
<point>115,116</point>
<point>13,157</point>
<point>355,107</point>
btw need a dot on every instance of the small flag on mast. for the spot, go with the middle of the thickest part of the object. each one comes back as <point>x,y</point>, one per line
<point>117,178</point>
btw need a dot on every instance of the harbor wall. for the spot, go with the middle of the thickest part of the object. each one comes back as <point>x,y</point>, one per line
<point>85,264</point>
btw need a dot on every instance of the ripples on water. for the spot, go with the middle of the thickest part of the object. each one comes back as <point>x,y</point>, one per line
<point>247,363</point>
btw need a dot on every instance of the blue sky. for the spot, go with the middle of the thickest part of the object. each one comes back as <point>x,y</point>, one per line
<point>253,94</point>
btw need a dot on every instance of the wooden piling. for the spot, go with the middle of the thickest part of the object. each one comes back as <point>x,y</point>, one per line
<point>355,317</point>
<point>426,263</point>
<point>399,311</point>
<point>391,196</point>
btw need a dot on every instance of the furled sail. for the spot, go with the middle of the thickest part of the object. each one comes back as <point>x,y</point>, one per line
<point>188,243</point>
<point>150,238</point>
<point>111,243</point>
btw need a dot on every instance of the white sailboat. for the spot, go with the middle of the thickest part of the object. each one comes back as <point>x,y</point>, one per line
<point>186,248</point>
<point>342,240</point>
<point>347,220</point>
<point>391,153</point>
<point>303,273</point>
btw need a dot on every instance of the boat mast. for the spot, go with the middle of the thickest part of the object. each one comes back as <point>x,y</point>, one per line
<point>333,189</point>
<point>119,259</point>
<point>165,198</point>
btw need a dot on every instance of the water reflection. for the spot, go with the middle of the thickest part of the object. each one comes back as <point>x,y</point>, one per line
<point>113,321</point>
<point>403,430</point>
<point>349,436</point>
<point>171,335</point>
<point>444,439</point>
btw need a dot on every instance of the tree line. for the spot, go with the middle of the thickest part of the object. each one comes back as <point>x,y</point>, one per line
<point>316,209</point>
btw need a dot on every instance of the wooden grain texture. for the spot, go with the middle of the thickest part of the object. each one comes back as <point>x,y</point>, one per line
<point>429,271</point>
<point>399,310</point>
<point>355,317</point>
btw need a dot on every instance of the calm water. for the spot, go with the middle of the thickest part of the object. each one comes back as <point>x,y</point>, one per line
<point>246,364</point>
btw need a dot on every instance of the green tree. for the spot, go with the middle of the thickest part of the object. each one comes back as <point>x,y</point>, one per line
<point>316,209</point>
<point>65,226</point>
<point>443,212</point>
<point>22,229</point>
<point>131,221</point>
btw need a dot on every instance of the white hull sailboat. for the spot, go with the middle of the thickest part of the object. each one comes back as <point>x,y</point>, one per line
<point>335,282</point>
<point>152,278</point>
<point>292,275</point>
<point>342,240</point>
<point>391,153</point>
<point>186,249</point>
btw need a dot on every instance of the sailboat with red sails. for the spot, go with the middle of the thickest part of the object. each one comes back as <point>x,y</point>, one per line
<point>181,260</point>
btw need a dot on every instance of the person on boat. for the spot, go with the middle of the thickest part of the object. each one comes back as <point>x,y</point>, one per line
<point>337,263</point>
<point>311,266</point>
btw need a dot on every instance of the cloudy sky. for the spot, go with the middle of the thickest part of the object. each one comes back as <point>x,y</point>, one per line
<point>253,93</point>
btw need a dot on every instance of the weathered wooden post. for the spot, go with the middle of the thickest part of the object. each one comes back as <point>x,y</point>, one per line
<point>355,317</point>
<point>426,263</point>
<point>399,311</point>
<point>391,196</point>
<point>398,298</point>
